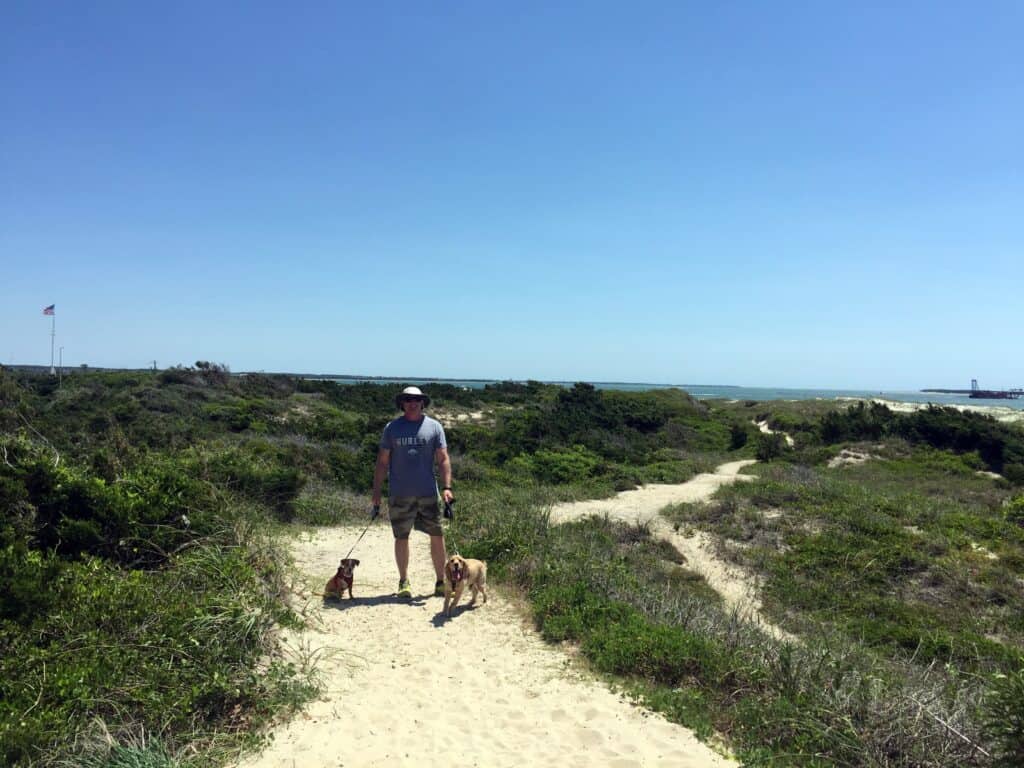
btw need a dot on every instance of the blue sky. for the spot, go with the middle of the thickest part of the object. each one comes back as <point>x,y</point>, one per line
<point>779,194</point>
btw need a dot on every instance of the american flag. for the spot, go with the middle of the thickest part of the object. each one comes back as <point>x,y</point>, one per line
<point>49,310</point>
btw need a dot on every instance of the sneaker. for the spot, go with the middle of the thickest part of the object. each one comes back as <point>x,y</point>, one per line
<point>404,588</point>
<point>439,589</point>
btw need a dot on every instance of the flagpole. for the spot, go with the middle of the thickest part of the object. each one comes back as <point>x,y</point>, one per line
<point>53,335</point>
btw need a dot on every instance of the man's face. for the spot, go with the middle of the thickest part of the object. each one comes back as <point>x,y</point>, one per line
<point>412,406</point>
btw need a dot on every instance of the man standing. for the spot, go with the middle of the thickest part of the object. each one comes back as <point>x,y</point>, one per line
<point>409,447</point>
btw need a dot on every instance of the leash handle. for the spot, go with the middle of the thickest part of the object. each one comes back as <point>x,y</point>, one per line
<point>449,513</point>
<point>375,512</point>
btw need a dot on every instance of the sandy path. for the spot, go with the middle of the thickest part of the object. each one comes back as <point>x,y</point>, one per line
<point>405,687</point>
<point>643,505</point>
<point>763,426</point>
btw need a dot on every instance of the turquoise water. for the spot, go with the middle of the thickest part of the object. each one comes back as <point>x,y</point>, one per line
<point>706,391</point>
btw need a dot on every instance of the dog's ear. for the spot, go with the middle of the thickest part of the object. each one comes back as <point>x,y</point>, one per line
<point>355,563</point>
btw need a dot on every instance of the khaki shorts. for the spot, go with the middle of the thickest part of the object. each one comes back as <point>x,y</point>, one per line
<point>419,512</point>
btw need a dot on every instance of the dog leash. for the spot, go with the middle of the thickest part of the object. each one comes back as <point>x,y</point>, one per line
<point>373,517</point>
<point>449,515</point>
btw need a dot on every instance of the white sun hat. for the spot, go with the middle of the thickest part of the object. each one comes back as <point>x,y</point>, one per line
<point>411,392</point>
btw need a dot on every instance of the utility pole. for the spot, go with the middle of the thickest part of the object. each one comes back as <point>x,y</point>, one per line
<point>154,366</point>
<point>53,336</point>
<point>51,312</point>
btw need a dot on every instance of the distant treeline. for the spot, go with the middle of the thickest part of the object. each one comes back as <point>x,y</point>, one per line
<point>1001,448</point>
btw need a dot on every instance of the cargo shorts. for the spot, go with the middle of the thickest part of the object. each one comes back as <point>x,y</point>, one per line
<point>419,512</point>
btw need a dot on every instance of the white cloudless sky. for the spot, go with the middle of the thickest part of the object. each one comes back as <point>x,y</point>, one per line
<point>777,194</point>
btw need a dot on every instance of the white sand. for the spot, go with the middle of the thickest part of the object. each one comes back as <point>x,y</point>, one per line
<point>1001,413</point>
<point>405,687</point>
<point>763,426</point>
<point>848,456</point>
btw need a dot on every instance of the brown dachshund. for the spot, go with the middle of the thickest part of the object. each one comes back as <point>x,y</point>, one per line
<point>342,580</point>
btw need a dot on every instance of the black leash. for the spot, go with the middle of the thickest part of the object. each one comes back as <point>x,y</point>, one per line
<point>373,517</point>
<point>449,515</point>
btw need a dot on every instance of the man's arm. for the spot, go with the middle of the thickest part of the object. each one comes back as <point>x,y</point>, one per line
<point>444,465</point>
<point>380,471</point>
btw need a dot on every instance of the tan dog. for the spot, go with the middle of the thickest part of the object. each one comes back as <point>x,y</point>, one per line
<point>342,580</point>
<point>460,572</point>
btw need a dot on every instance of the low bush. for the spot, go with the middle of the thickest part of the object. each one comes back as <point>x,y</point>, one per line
<point>769,446</point>
<point>1004,716</point>
<point>136,521</point>
<point>739,434</point>
<point>1013,511</point>
<point>267,479</point>
<point>188,666</point>
<point>326,503</point>
<point>562,466</point>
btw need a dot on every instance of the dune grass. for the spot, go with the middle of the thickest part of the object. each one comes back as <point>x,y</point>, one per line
<point>180,651</point>
<point>900,576</point>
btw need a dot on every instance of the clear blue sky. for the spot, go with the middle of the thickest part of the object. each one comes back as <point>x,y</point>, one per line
<point>782,194</point>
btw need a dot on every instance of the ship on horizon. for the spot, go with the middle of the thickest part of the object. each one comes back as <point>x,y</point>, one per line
<point>978,393</point>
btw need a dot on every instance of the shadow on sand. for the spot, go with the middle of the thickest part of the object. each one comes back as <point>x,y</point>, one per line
<point>440,619</point>
<point>346,603</point>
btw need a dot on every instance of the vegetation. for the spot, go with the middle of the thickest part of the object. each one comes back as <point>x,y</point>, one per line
<point>146,582</point>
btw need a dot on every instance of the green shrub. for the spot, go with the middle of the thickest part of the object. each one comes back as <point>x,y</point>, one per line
<point>739,434</point>
<point>571,611</point>
<point>353,466</point>
<point>1014,473</point>
<point>769,446</point>
<point>858,422</point>
<point>322,503</point>
<point>150,511</point>
<point>263,478</point>
<point>633,645</point>
<point>1004,717</point>
<point>1013,511</point>
<point>565,466</point>
<point>188,640</point>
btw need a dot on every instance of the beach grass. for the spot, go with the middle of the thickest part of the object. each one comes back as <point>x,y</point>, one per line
<point>828,699</point>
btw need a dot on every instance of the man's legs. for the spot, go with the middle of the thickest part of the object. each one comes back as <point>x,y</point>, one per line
<point>437,554</point>
<point>402,558</point>
<point>423,514</point>
<point>402,513</point>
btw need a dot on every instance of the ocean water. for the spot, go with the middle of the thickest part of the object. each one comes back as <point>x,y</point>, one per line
<point>901,396</point>
<point>708,391</point>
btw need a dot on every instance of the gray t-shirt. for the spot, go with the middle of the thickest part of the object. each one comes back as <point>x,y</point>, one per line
<point>412,445</point>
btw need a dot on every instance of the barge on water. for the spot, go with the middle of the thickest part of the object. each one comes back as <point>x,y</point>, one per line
<point>982,394</point>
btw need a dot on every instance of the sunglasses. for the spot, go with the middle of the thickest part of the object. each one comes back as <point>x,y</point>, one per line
<point>411,400</point>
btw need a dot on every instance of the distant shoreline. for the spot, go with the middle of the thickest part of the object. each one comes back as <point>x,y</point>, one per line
<point>939,397</point>
<point>449,380</point>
